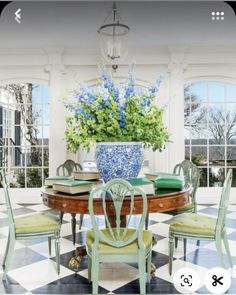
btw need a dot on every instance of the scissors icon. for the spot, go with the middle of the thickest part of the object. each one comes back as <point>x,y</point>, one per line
<point>216,281</point>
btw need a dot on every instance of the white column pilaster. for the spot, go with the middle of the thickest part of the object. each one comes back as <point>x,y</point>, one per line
<point>176,151</point>
<point>57,144</point>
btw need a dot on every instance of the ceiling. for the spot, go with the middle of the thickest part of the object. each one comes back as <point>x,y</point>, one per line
<point>153,24</point>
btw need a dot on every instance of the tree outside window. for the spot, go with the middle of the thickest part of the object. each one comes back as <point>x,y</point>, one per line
<point>24,138</point>
<point>210,129</point>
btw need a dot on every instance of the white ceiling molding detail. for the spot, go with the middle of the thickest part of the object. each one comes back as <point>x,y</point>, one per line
<point>190,55</point>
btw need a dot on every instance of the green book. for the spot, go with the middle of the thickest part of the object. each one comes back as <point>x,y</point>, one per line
<point>154,175</point>
<point>164,182</point>
<point>51,179</point>
<point>143,183</point>
<point>73,187</point>
<point>139,181</point>
<point>87,175</point>
<point>73,183</point>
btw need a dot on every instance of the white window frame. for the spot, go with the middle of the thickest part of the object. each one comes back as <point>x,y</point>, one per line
<point>210,195</point>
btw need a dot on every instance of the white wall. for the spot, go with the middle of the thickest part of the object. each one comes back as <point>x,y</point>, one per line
<point>63,69</point>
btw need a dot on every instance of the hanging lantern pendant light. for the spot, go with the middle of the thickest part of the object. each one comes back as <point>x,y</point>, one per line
<point>112,33</point>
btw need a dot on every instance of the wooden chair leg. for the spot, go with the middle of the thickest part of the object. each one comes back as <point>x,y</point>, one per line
<point>50,246</point>
<point>171,253</point>
<point>176,242</point>
<point>227,249</point>
<point>185,247</point>
<point>81,218</point>
<point>73,226</point>
<point>61,217</point>
<point>147,221</point>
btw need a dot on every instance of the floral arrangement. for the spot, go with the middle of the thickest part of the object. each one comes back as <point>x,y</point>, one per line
<point>115,113</point>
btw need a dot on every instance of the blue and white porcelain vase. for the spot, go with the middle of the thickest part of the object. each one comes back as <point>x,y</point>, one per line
<point>119,159</point>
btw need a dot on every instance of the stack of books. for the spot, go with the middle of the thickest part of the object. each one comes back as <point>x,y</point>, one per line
<point>144,184</point>
<point>166,180</point>
<point>87,175</point>
<point>49,181</point>
<point>73,187</point>
<point>154,175</point>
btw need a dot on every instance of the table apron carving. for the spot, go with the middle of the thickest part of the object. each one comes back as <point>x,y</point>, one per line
<point>79,204</point>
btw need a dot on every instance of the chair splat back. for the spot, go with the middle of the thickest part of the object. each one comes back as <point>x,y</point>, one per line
<point>68,167</point>
<point>225,194</point>
<point>116,191</point>
<point>191,175</point>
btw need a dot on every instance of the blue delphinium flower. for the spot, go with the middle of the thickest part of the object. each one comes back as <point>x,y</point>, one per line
<point>86,95</point>
<point>121,121</point>
<point>153,89</point>
<point>78,110</point>
<point>148,102</point>
<point>130,88</point>
<point>114,111</point>
<point>116,93</point>
<point>145,102</point>
<point>87,115</point>
<point>70,106</point>
<point>80,98</point>
<point>159,80</point>
<point>106,101</point>
<point>109,85</point>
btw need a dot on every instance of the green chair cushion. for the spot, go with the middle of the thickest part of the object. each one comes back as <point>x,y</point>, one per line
<point>185,208</point>
<point>129,249</point>
<point>193,224</point>
<point>36,223</point>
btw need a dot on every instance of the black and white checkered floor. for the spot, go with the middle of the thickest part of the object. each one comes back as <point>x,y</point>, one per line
<point>32,272</point>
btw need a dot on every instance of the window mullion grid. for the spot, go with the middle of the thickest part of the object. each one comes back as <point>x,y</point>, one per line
<point>25,152</point>
<point>225,128</point>
<point>7,138</point>
<point>190,121</point>
<point>208,149</point>
<point>42,143</point>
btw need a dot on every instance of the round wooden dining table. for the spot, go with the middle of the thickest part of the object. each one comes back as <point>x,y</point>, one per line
<point>161,201</point>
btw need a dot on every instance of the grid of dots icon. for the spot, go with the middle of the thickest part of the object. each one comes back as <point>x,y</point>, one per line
<point>217,15</point>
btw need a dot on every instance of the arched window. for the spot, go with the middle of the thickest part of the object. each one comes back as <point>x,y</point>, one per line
<point>24,133</point>
<point>210,129</point>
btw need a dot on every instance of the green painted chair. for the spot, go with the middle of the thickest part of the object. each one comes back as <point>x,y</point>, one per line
<point>116,243</point>
<point>28,227</point>
<point>201,227</point>
<point>191,175</point>
<point>66,169</point>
